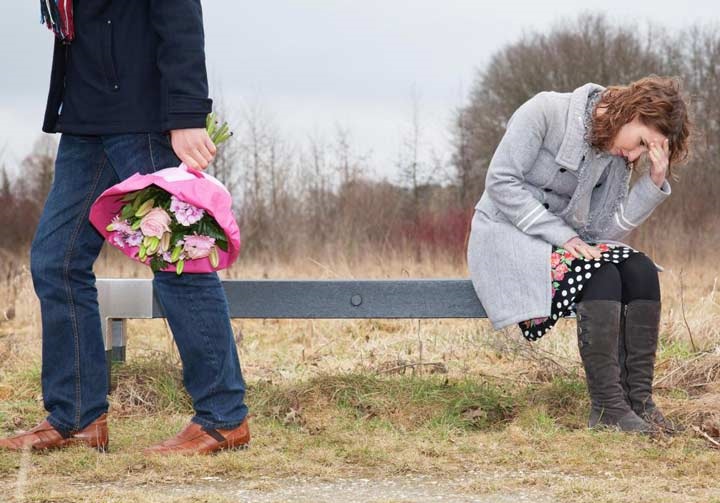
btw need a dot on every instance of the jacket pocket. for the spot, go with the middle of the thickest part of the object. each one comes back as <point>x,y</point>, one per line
<point>107,57</point>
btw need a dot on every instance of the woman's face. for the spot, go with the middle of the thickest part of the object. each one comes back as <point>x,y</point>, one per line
<point>634,139</point>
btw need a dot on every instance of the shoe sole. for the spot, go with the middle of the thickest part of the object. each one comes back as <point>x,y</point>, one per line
<point>100,448</point>
<point>241,447</point>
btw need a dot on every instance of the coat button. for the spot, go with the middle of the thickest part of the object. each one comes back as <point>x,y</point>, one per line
<point>562,170</point>
<point>598,185</point>
<point>547,206</point>
<point>109,22</point>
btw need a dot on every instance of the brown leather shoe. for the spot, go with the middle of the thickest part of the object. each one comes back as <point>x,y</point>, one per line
<point>45,436</point>
<point>196,439</point>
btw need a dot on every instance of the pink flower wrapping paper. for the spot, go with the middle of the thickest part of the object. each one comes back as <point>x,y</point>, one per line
<point>188,185</point>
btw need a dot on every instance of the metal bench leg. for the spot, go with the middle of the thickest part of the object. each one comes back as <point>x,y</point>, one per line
<point>115,337</point>
<point>118,329</point>
<point>118,301</point>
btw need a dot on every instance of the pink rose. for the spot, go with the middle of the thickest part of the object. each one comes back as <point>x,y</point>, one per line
<point>555,259</point>
<point>198,246</point>
<point>155,223</point>
<point>559,272</point>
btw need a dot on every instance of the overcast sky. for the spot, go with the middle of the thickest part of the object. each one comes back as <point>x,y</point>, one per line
<point>314,64</point>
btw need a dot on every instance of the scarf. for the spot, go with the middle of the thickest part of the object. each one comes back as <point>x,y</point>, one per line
<point>57,15</point>
<point>593,167</point>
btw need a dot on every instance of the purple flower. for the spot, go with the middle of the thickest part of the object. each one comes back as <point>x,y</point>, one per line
<point>118,239</point>
<point>134,239</point>
<point>121,225</point>
<point>185,213</point>
<point>176,204</point>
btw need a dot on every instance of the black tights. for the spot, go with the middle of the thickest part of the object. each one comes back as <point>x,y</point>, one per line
<point>633,279</point>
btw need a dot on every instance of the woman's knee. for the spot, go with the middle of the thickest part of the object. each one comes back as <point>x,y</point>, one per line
<point>639,278</point>
<point>605,284</point>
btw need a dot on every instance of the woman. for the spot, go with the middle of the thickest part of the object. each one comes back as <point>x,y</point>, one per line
<point>544,239</point>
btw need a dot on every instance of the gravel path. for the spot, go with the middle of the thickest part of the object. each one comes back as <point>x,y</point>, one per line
<point>412,488</point>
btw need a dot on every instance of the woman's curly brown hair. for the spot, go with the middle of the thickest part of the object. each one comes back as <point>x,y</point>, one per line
<point>657,102</point>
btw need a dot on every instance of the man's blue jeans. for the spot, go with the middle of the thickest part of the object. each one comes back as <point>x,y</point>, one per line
<point>74,372</point>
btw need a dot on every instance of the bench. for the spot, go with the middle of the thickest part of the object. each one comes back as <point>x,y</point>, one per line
<point>123,299</point>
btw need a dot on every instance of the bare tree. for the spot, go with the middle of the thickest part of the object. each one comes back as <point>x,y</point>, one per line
<point>316,180</point>
<point>415,169</point>
<point>38,169</point>
<point>266,167</point>
<point>461,160</point>
<point>346,162</point>
<point>22,200</point>
<point>5,188</point>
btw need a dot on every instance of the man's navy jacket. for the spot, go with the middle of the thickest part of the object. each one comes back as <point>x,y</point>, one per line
<point>134,66</point>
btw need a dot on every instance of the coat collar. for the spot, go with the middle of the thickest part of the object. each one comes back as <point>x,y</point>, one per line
<point>573,146</point>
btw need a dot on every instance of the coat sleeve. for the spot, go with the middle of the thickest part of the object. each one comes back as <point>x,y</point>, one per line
<point>639,204</point>
<point>181,60</point>
<point>514,157</point>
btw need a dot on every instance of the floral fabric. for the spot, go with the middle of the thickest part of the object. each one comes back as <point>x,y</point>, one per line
<point>569,276</point>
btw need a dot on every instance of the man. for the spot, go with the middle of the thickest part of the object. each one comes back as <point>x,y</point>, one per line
<point>129,93</point>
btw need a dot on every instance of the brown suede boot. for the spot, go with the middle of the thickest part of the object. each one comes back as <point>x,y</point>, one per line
<point>45,437</point>
<point>638,345</point>
<point>598,328</point>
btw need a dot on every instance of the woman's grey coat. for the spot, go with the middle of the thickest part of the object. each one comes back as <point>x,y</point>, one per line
<point>545,185</point>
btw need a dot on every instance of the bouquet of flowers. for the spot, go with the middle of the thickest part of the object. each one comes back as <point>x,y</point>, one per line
<point>174,219</point>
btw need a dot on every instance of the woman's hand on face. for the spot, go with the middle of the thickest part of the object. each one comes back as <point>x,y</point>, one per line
<point>193,147</point>
<point>580,249</point>
<point>660,157</point>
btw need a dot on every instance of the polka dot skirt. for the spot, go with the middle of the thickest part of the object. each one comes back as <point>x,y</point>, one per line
<point>569,275</point>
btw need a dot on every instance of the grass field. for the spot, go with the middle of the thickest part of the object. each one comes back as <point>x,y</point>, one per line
<point>379,410</point>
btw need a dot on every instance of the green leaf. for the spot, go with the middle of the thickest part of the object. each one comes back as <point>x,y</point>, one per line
<point>157,263</point>
<point>127,211</point>
<point>128,197</point>
<point>176,235</point>
<point>211,228</point>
